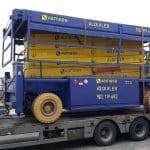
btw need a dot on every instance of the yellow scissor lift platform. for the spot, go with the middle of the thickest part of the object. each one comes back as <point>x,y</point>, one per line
<point>131,54</point>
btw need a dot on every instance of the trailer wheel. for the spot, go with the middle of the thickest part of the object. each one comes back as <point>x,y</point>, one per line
<point>47,107</point>
<point>139,129</point>
<point>105,133</point>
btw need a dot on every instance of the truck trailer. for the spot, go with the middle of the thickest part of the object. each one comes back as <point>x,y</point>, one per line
<point>73,78</point>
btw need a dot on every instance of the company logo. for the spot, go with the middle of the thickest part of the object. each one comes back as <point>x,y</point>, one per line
<point>99,81</point>
<point>62,71</point>
<point>58,53</point>
<point>71,70</point>
<point>45,17</point>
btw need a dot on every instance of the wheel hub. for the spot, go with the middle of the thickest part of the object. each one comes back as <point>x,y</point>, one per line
<point>105,134</point>
<point>48,108</point>
<point>140,130</point>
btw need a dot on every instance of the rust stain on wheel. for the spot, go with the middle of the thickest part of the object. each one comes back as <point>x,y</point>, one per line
<point>47,108</point>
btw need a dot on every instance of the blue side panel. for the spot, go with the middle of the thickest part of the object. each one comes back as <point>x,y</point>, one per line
<point>58,20</point>
<point>51,85</point>
<point>58,29</point>
<point>40,85</point>
<point>19,89</point>
<point>103,93</point>
<point>137,30</point>
<point>48,22</point>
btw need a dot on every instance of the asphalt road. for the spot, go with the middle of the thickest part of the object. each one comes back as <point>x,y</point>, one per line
<point>122,144</point>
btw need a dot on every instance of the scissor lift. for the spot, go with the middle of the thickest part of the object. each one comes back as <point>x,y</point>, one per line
<point>30,132</point>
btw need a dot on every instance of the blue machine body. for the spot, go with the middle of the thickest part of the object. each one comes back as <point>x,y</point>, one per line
<point>76,93</point>
<point>82,93</point>
<point>71,25</point>
<point>103,93</point>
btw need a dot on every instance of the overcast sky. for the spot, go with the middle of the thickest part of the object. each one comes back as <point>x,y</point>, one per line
<point>136,12</point>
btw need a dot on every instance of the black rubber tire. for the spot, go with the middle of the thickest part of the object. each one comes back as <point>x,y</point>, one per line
<point>139,129</point>
<point>100,133</point>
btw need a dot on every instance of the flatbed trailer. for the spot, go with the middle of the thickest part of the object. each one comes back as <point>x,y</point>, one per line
<point>23,132</point>
<point>75,92</point>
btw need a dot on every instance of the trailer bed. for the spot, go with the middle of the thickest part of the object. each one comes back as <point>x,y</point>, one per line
<point>22,132</point>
